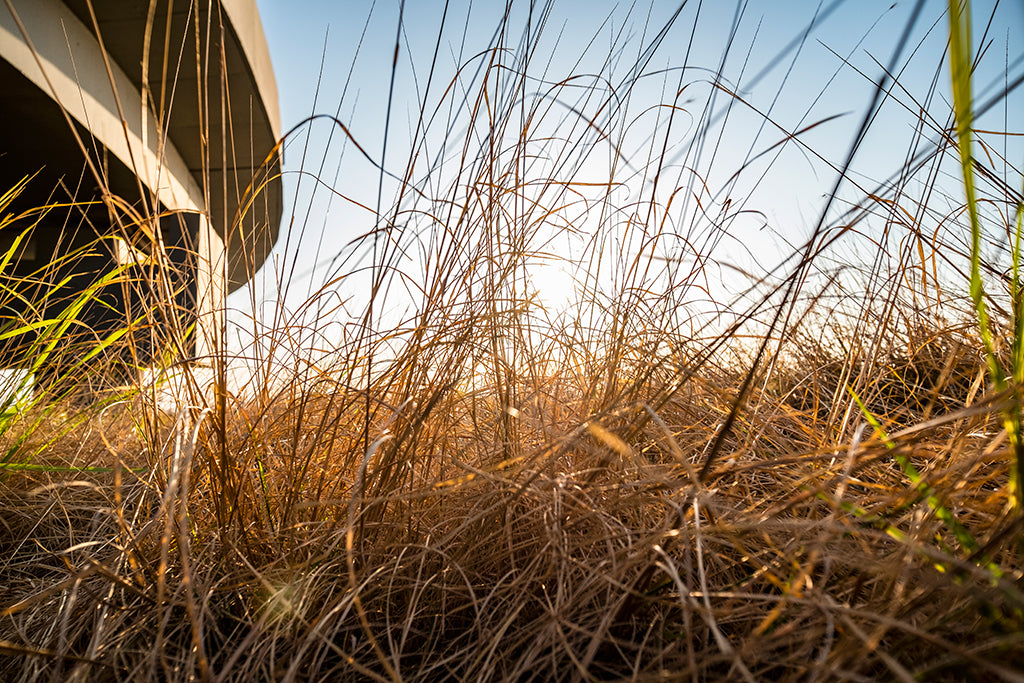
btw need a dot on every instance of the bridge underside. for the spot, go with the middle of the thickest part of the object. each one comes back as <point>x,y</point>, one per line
<point>142,173</point>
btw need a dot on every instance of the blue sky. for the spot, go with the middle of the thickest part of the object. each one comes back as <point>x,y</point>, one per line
<point>336,58</point>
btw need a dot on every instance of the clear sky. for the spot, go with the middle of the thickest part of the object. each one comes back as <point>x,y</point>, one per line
<point>335,57</point>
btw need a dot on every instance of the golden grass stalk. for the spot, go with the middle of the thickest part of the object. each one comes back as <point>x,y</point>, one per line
<point>475,487</point>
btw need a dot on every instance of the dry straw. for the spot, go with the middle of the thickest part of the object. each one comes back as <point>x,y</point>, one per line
<point>818,480</point>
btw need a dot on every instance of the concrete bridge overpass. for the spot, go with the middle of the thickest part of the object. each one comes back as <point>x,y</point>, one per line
<point>170,105</point>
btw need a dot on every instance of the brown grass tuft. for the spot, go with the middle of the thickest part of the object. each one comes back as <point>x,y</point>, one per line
<point>442,478</point>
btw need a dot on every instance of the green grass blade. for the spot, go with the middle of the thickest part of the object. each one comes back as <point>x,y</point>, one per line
<point>962,535</point>
<point>963,106</point>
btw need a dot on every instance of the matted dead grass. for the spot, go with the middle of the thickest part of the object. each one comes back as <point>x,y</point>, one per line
<point>429,473</point>
<point>592,553</point>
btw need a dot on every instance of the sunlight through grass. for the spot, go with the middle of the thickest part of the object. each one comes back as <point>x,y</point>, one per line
<point>555,409</point>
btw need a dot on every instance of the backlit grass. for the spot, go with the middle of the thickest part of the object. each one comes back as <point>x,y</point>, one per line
<point>681,469</point>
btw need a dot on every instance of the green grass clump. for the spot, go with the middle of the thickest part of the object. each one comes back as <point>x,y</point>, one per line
<point>444,478</point>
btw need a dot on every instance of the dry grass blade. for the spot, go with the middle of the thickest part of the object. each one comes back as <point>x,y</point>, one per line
<point>674,463</point>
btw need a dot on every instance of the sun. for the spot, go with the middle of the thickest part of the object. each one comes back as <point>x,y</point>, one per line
<point>553,285</point>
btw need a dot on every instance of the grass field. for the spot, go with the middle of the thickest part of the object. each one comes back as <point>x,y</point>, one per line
<point>817,479</point>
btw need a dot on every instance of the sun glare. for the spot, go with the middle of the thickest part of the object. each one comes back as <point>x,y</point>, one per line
<point>553,286</point>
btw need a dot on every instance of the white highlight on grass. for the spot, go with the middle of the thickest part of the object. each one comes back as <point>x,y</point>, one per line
<point>172,390</point>
<point>16,387</point>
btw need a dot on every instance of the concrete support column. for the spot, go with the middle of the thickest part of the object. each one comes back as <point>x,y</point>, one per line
<point>75,94</point>
<point>211,265</point>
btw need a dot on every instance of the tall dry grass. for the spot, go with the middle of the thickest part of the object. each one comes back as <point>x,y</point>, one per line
<point>810,481</point>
